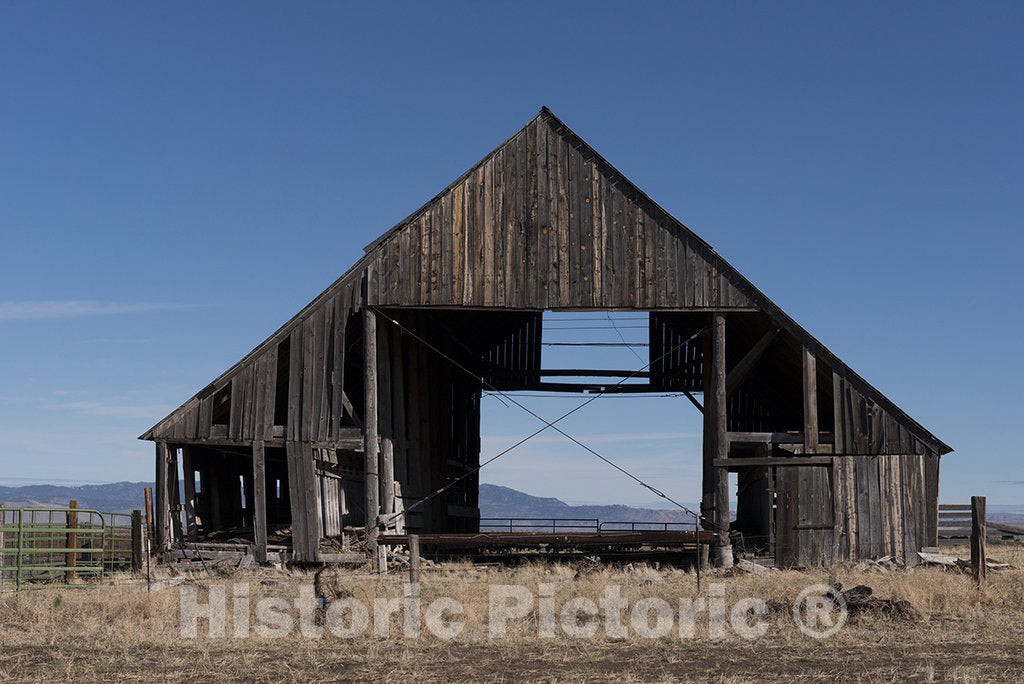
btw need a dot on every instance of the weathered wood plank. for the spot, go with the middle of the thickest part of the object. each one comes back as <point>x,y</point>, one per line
<point>810,394</point>
<point>371,445</point>
<point>162,505</point>
<point>564,266</point>
<point>384,418</point>
<point>259,505</point>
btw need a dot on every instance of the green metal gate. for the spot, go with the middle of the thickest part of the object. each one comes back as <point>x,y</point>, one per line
<point>44,546</point>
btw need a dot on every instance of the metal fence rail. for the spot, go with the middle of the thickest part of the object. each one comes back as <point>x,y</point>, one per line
<point>579,524</point>
<point>538,524</point>
<point>43,546</point>
<point>640,525</point>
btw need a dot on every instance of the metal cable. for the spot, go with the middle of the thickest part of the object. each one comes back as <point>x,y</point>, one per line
<point>547,424</point>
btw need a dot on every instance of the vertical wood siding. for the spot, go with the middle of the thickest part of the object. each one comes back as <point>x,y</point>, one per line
<point>544,223</point>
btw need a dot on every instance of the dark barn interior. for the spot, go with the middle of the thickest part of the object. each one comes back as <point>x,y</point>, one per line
<point>366,404</point>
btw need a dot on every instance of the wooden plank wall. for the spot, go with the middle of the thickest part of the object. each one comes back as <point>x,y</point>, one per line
<point>433,424</point>
<point>316,380</point>
<point>676,361</point>
<point>512,357</point>
<point>542,222</point>
<point>865,427</point>
<point>877,505</point>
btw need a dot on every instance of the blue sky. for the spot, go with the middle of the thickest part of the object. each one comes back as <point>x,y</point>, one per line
<point>176,180</point>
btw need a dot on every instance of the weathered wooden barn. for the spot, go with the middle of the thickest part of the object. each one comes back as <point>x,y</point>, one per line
<point>368,400</point>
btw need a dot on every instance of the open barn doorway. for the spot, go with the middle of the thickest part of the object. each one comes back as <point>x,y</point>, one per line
<point>217,491</point>
<point>654,433</point>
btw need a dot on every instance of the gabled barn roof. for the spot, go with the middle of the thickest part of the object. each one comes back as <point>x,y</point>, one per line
<point>545,222</point>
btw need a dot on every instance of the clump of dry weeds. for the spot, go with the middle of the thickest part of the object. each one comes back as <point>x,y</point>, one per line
<point>120,630</point>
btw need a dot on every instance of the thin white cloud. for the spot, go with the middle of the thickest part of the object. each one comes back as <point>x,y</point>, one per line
<point>14,310</point>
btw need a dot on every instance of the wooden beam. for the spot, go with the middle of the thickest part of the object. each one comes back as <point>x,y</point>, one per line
<point>191,528</point>
<point>592,388</point>
<point>766,438</point>
<point>535,539</point>
<point>162,513</point>
<point>716,440</point>
<point>350,411</point>
<point>385,429</point>
<point>771,461</point>
<point>707,500</point>
<point>747,364</point>
<point>838,427</point>
<point>174,494</point>
<point>259,500</point>
<point>371,443</point>
<point>810,402</point>
<point>296,499</point>
<point>304,493</point>
<point>577,373</point>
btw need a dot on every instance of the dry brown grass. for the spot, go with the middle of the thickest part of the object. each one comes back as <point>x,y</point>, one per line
<point>119,631</point>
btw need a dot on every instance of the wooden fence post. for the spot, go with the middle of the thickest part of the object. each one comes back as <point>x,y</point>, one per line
<point>137,545</point>
<point>978,533</point>
<point>149,512</point>
<point>71,558</point>
<point>414,564</point>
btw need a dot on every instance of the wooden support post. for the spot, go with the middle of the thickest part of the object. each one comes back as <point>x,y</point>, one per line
<point>810,402</point>
<point>138,547</point>
<point>978,532</point>
<point>259,501</point>
<point>71,558</point>
<point>707,501</point>
<point>189,475</point>
<point>174,495</point>
<point>414,564</point>
<point>162,513</point>
<point>716,441</point>
<point>304,493</point>
<point>371,444</point>
<point>385,429</point>
<point>399,396</point>
<point>148,495</point>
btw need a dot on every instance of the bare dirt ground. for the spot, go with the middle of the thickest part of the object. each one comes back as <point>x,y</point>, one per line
<point>119,631</point>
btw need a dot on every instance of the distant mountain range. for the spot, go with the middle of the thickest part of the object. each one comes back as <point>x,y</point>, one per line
<point>116,497</point>
<point>504,502</point>
<point>495,502</point>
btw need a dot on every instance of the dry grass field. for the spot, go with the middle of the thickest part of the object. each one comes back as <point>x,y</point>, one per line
<point>120,631</point>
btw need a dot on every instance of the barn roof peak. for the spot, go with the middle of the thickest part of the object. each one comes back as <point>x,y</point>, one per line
<point>545,222</point>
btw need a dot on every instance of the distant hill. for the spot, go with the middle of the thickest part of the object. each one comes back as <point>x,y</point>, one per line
<point>495,502</point>
<point>504,502</point>
<point>116,497</point>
